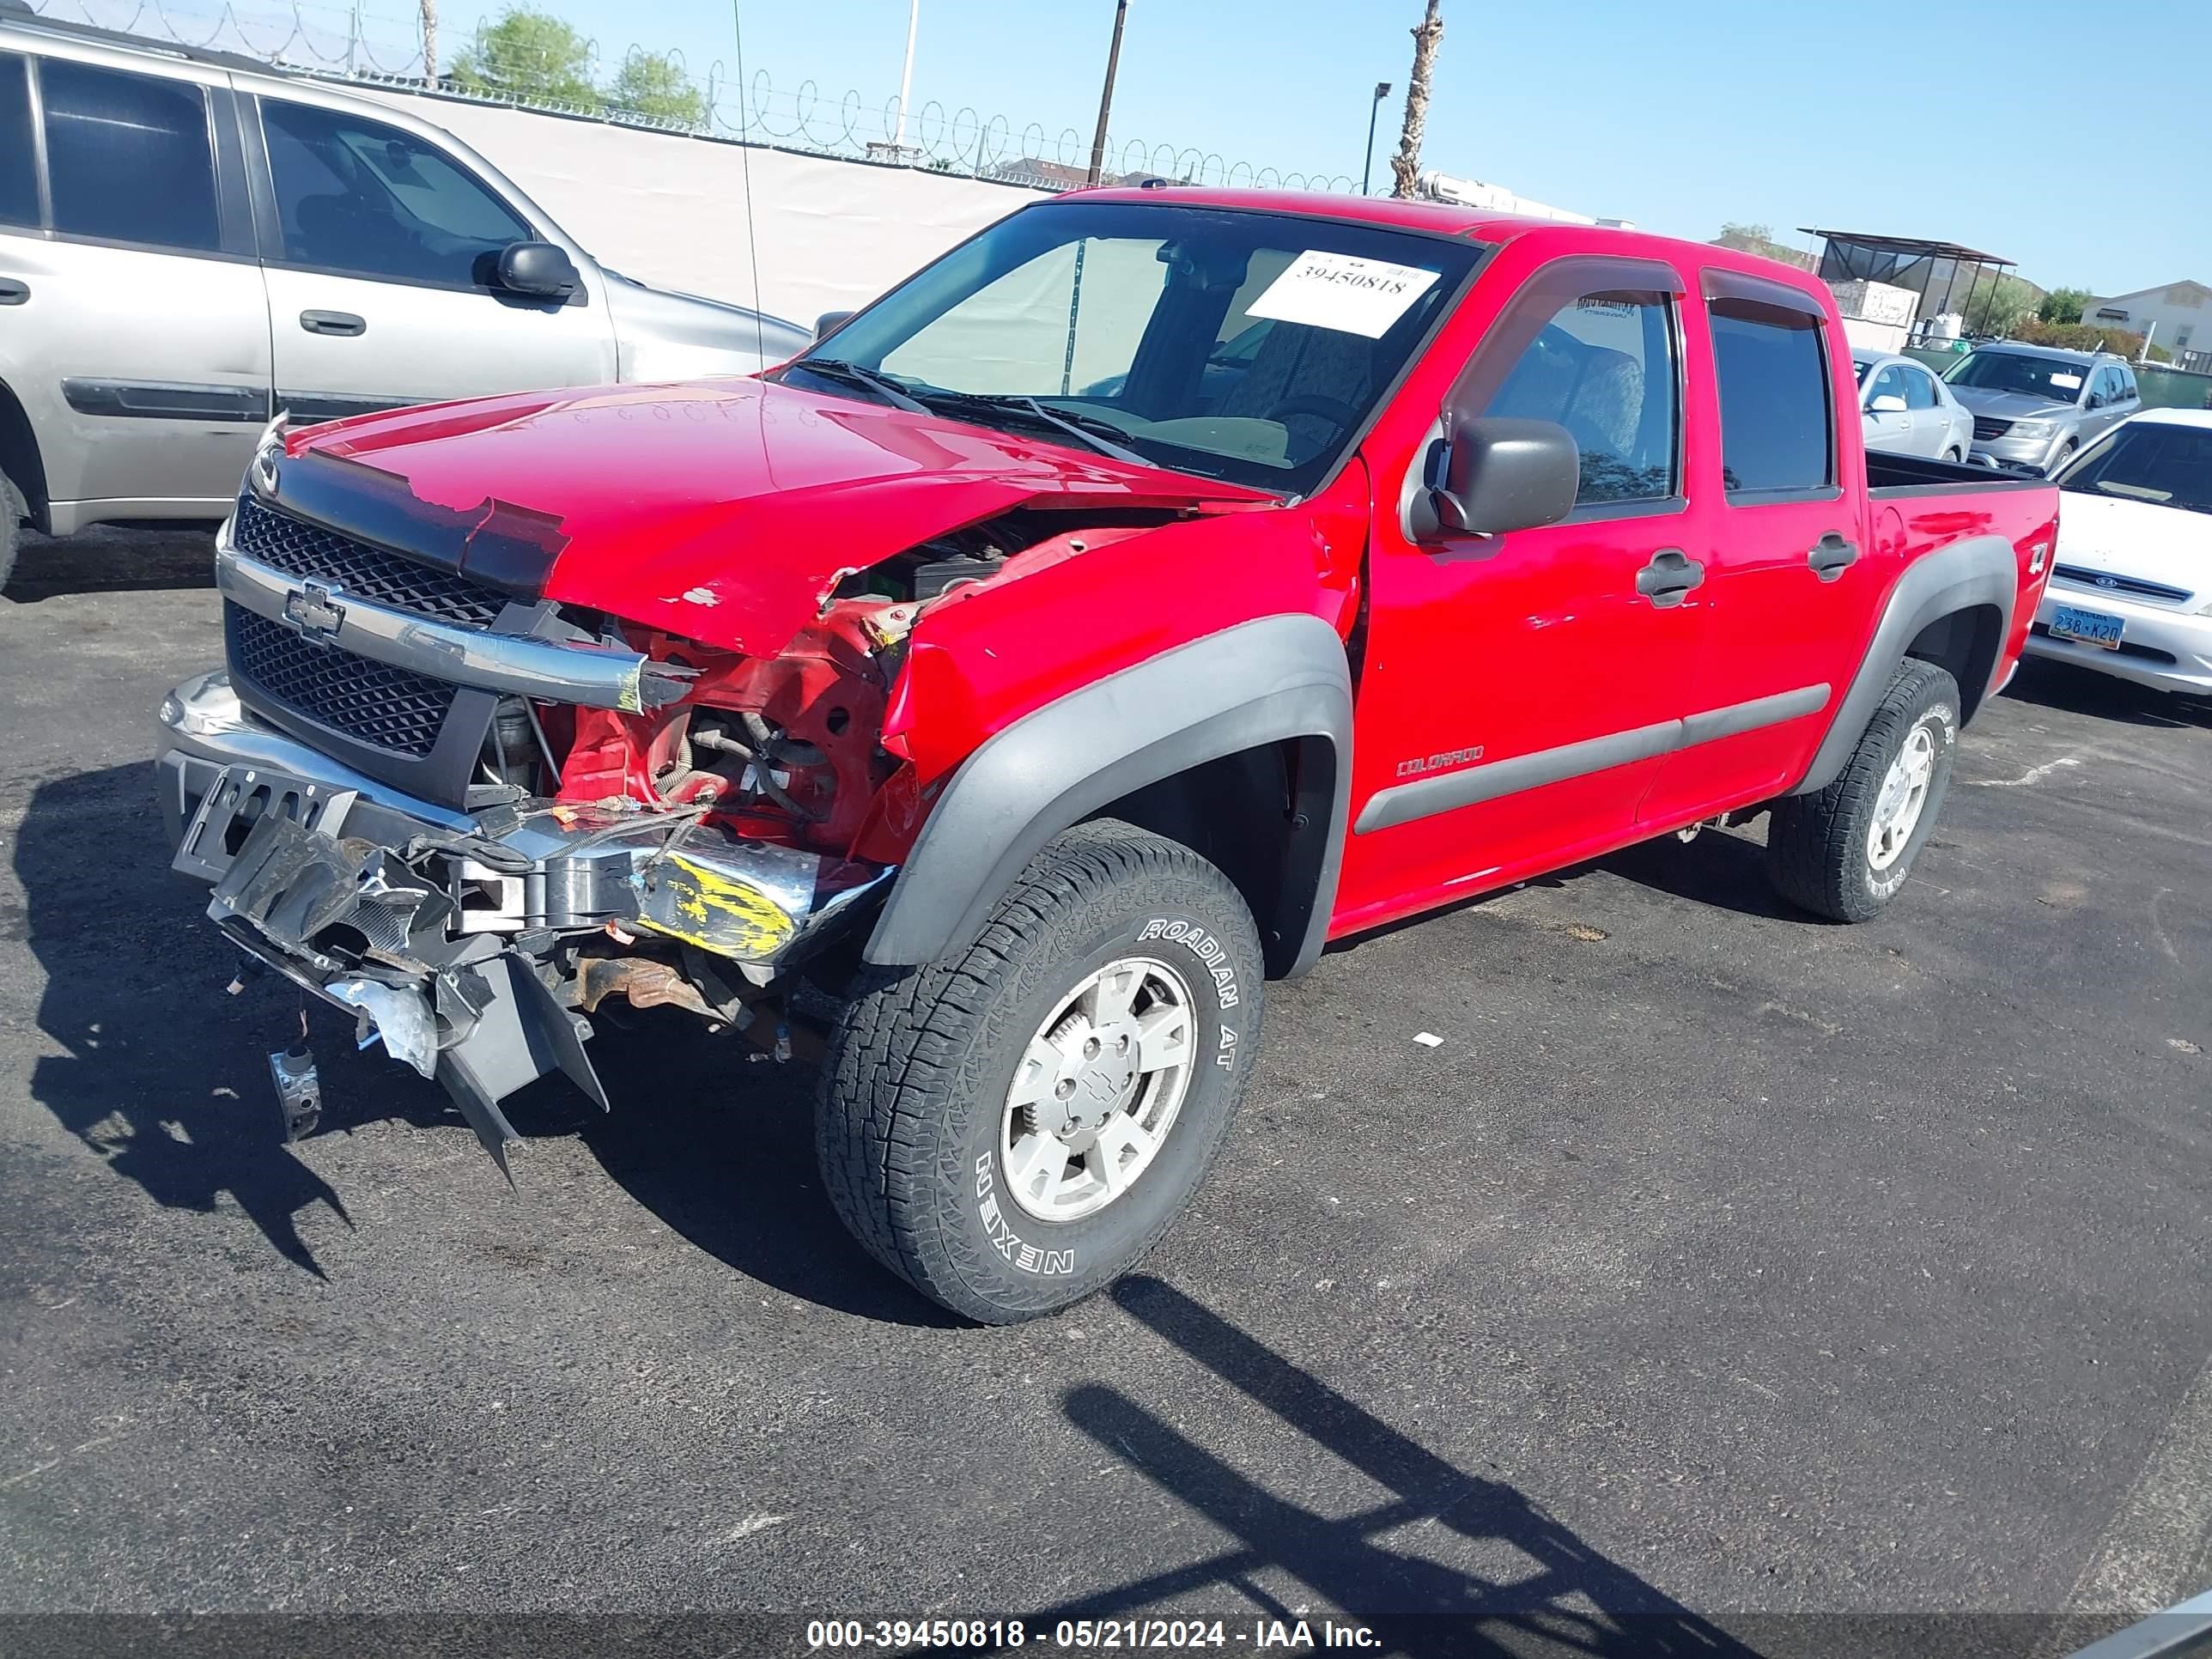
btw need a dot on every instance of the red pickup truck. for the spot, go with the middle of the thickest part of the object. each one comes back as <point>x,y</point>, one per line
<point>1160,585</point>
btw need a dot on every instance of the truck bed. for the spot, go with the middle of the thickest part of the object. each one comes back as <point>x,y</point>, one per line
<point>1891,476</point>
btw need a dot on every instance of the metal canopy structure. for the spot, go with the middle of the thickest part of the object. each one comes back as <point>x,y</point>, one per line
<point>1930,269</point>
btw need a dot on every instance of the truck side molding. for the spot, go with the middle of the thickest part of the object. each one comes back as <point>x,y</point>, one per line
<point>1979,571</point>
<point>1273,680</point>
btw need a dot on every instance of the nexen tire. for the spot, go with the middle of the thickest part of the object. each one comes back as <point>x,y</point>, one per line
<point>915,1089</point>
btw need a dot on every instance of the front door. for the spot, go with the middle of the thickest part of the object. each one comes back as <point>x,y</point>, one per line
<point>379,269</point>
<point>1517,690</point>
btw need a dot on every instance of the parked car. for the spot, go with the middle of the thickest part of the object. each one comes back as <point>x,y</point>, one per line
<point>2034,407</point>
<point>1038,731</point>
<point>2131,588</point>
<point>191,242</point>
<point>1904,410</point>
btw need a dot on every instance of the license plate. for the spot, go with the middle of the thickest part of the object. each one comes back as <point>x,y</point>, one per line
<point>2089,627</point>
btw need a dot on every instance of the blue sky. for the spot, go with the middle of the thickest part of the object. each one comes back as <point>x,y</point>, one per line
<point>1986,126</point>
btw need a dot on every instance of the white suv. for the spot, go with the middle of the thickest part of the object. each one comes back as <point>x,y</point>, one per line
<point>191,243</point>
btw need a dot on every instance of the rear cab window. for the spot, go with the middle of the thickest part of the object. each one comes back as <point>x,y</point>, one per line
<point>1770,364</point>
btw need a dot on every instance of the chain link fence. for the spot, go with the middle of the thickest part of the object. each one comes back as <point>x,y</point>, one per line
<point>545,65</point>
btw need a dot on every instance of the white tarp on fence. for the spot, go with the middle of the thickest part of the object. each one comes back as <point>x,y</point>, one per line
<point>670,209</point>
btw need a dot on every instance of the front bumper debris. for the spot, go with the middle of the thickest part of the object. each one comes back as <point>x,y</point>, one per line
<point>452,936</point>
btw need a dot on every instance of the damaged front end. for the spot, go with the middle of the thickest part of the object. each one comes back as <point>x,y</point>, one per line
<point>474,943</point>
<point>476,768</point>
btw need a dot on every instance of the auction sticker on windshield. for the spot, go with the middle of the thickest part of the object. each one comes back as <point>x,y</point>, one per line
<point>1343,292</point>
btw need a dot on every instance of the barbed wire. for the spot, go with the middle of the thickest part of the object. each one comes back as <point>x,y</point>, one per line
<point>658,90</point>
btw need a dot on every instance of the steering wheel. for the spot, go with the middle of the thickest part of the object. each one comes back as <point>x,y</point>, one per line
<point>1335,410</point>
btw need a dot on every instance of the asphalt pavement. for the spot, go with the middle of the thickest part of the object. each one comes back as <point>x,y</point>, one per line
<point>1721,1273</point>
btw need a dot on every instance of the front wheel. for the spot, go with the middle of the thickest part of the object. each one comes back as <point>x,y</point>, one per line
<point>1013,1128</point>
<point>1844,852</point>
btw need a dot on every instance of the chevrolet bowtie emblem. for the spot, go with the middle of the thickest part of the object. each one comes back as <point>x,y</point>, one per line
<point>311,611</point>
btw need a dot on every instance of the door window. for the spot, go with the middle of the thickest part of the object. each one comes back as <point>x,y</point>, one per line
<point>128,158</point>
<point>1919,389</point>
<point>1890,383</point>
<point>1601,364</point>
<point>365,199</point>
<point>18,179</point>
<point>1776,431</point>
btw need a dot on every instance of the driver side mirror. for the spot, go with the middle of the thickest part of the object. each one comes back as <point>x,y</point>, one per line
<point>1888,404</point>
<point>537,269</point>
<point>829,322</point>
<point>1499,474</point>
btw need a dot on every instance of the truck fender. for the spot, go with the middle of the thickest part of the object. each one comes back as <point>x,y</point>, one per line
<point>1979,570</point>
<point>1275,678</point>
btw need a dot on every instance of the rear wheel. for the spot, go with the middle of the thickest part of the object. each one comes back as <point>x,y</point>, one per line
<point>1013,1128</point>
<point>1844,852</point>
<point>13,511</point>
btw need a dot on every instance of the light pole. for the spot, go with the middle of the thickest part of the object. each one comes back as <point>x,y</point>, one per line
<point>1106,97</point>
<point>1367,165</point>
<point>906,75</point>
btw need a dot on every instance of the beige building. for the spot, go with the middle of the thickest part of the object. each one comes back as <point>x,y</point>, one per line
<point>2180,313</point>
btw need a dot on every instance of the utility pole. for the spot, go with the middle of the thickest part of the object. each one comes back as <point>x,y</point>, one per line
<point>429,43</point>
<point>1106,98</point>
<point>906,75</point>
<point>1406,165</point>
<point>1367,163</point>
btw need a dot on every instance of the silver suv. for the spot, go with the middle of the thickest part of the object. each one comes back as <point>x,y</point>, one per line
<point>191,243</point>
<point>2034,406</point>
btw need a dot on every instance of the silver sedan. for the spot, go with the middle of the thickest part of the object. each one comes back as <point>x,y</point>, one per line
<point>1905,410</point>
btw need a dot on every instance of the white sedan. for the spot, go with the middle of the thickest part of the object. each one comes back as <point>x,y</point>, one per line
<point>2131,588</point>
<point>1904,410</point>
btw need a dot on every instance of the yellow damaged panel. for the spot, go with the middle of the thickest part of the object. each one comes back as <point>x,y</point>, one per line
<point>713,910</point>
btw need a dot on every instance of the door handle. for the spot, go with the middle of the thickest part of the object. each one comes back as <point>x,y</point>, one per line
<point>1670,577</point>
<point>13,293</point>
<point>332,322</point>
<point>1830,556</point>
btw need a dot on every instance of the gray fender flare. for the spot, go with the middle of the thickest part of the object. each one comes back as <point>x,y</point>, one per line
<point>1980,570</point>
<point>1277,677</point>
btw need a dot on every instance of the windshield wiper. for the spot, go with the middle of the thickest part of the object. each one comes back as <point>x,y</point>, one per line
<point>1086,427</point>
<point>835,368</point>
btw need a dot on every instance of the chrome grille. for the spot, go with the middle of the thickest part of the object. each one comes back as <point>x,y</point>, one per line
<point>389,707</point>
<point>2075,575</point>
<point>1986,428</point>
<point>300,548</point>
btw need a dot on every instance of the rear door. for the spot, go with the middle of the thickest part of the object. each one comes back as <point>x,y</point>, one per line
<point>1791,587</point>
<point>133,324</point>
<point>1518,689</point>
<point>381,247</point>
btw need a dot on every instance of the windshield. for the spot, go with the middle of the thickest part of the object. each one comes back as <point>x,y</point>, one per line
<point>2162,461</point>
<point>1248,347</point>
<point>2051,379</point>
<point>1862,364</point>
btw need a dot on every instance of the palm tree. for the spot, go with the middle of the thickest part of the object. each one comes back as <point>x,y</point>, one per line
<point>1406,165</point>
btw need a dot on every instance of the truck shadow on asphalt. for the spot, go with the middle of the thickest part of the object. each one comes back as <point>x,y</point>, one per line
<point>165,1077</point>
<point>111,561</point>
<point>160,1073</point>
<point>1540,1589</point>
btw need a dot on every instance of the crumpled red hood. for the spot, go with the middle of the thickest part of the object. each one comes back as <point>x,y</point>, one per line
<point>724,510</point>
